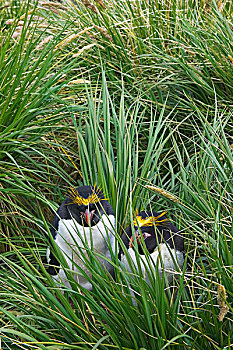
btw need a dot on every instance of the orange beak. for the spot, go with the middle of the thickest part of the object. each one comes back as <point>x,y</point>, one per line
<point>131,242</point>
<point>138,238</point>
<point>131,239</point>
<point>89,216</point>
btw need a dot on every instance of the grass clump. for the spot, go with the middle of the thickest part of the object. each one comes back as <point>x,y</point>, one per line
<point>45,315</point>
<point>178,48</point>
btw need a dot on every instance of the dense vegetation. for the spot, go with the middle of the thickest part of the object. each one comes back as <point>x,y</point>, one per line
<point>126,94</point>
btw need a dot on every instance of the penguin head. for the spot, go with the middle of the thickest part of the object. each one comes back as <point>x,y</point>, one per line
<point>145,224</point>
<point>86,205</point>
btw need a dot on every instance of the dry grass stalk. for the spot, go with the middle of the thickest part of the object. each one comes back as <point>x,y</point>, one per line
<point>28,14</point>
<point>11,21</point>
<point>231,59</point>
<point>101,3</point>
<point>104,32</point>
<point>17,32</point>
<point>70,38</point>
<point>76,167</point>
<point>163,193</point>
<point>44,41</point>
<point>221,299</point>
<point>18,29</point>
<point>89,6</point>
<point>79,81</point>
<point>220,5</point>
<point>7,4</point>
<point>52,5</point>
<point>21,24</point>
<point>83,49</point>
<point>91,36</point>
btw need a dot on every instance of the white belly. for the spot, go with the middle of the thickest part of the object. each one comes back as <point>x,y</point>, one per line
<point>74,240</point>
<point>170,259</point>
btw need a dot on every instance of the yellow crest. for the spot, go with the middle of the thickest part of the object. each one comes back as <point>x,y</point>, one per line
<point>95,197</point>
<point>149,220</point>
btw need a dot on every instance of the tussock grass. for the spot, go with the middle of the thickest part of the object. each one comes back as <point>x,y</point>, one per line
<point>154,321</point>
<point>181,48</point>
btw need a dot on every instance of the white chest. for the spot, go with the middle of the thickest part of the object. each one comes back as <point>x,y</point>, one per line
<point>71,235</point>
<point>170,259</point>
<point>74,240</point>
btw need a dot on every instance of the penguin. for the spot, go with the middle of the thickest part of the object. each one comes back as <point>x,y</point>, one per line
<point>162,240</point>
<point>84,218</point>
